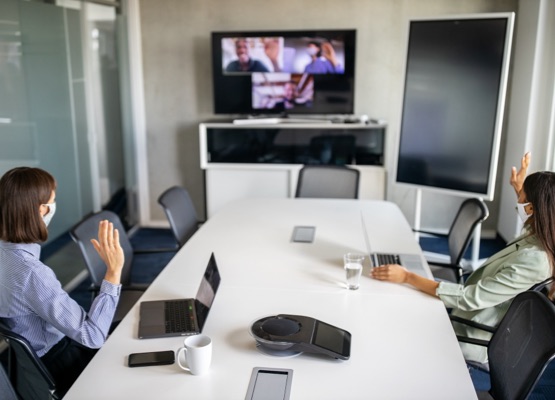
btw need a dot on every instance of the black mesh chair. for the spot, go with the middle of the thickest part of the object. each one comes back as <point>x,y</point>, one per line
<point>83,232</point>
<point>521,346</point>
<point>327,181</point>
<point>470,214</point>
<point>28,376</point>
<point>181,213</point>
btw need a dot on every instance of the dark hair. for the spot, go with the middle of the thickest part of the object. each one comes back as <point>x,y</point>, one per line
<point>539,188</point>
<point>22,191</point>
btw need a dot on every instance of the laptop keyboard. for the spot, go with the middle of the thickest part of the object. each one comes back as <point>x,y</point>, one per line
<point>179,316</point>
<point>388,259</point>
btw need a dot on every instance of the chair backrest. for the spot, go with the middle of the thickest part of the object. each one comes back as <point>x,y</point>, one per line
<point>181,213</point>
<point>87,229</point>
<point>328,181</point>
<point>29,377</point>
<point>471,213</point>
<point>543,286</point>
<point>522,346</point>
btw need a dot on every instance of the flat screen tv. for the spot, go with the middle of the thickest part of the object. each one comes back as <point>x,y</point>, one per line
<point>284,72</point>
<point>455,86</point>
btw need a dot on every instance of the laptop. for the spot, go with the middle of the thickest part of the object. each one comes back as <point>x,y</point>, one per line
<point>412,262</point>
<point>180,317</point>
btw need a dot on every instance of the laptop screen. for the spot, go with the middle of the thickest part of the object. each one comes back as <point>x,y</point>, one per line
<point>371,255</point>
<point>207,291</point>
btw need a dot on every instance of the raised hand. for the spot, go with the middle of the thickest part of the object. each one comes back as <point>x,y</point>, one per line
<point>110,251</point>
<point>517,177</point>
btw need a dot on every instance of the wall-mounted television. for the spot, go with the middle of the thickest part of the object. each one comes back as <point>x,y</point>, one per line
<point>455,85</point>
<point>284,72</point>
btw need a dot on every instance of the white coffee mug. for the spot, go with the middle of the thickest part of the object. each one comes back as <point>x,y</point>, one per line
<point>197,351</point>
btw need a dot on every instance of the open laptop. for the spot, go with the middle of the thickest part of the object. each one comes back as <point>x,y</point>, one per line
<point>412,262</point>
<point>179,317</point>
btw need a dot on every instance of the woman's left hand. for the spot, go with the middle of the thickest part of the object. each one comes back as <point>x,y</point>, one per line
<point>110,251</point>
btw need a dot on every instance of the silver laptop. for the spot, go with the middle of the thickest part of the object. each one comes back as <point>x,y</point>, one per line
<point>179,317</point>
<point>412,262</point>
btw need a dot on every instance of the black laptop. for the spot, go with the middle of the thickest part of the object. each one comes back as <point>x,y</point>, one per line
<point>179,317</point>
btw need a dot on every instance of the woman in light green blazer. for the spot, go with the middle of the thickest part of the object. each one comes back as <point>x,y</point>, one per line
<point>524,262</point>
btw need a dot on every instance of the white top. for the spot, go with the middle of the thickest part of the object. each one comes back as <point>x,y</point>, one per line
<point>403,345</point>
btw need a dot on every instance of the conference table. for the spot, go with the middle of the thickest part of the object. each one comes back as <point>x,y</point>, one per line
<point>403,346</point>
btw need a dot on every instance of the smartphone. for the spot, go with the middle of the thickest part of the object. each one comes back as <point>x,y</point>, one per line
<point>152,358</point>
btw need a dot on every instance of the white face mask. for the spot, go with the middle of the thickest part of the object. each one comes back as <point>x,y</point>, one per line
<point>51,211</point>
<point>522,212</point>
<point>312,51</point>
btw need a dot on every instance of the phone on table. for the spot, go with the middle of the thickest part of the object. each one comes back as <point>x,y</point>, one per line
<point>151,358</point>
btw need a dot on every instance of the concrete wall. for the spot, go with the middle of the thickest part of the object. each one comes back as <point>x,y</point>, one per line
<point>178,87</point>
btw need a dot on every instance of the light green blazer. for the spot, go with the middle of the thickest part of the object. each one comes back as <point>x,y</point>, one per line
<point>488,291</point>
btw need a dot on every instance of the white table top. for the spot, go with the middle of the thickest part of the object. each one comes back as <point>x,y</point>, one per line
<point>403,346</point>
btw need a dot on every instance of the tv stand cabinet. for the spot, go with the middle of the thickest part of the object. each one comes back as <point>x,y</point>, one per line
<point>263,159</point>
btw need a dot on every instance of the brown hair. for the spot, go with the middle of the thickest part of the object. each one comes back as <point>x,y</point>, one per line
<point>22,191</point>
<point>539,188</point>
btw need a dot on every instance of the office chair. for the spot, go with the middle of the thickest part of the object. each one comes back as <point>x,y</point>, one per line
<point>543,287</point>
<point>6,388</point>
<point>327,181</point>
<point>181,213</point>
<point>83,232</point>
<point>521,346</point>
<point>28,376</point>
<point>470,214</point>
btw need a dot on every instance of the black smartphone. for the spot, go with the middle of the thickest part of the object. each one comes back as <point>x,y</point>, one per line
<point>152,358</point>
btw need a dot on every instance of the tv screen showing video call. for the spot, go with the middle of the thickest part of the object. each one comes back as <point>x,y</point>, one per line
<point>287,72</point>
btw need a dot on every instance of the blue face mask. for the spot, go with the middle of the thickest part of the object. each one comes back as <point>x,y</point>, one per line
<point>51,211</point>
<point>522,212</point>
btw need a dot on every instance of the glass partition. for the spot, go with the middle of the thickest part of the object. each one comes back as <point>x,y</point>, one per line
<point>54,112</point>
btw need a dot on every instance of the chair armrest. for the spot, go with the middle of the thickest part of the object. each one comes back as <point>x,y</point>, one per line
<point>440,235</point>
<point>477,325</point>
<point>473,324</point>
<point>154,250</point>
<point>478,342</point>
<point>445,265</point>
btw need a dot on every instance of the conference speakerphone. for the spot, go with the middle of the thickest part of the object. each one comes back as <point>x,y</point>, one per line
<point>285,334</point>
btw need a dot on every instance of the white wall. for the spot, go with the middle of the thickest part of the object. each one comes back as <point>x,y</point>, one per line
<point>531,113</point>
<point>178,88</point>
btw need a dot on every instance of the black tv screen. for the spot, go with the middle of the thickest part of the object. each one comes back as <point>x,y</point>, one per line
<point>284,72</point>
<point>455,85</point>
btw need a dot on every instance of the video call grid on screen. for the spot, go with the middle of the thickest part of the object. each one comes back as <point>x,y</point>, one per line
<point>292,54</point>
<point>282,75</point>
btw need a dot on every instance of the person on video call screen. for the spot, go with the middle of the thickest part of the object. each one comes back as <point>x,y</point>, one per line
<point>246,63</point>
<point>323,59</point>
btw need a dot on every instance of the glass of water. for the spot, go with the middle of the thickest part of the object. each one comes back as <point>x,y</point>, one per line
<point>353,269</point>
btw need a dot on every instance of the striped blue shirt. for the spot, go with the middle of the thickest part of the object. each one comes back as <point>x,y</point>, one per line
<point>34,305</point>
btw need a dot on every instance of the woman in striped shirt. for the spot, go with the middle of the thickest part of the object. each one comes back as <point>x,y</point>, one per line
<point>32,301</point>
